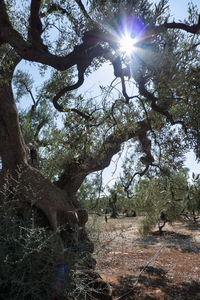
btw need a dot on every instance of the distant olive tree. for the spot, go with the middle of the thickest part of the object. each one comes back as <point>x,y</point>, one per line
<point>160,200</point>
<point>192,199</point>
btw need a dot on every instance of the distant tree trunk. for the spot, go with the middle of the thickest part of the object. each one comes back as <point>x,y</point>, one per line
<point>194,216</point>
<point>112,204</point>
<point>160,227</point>
<point>114,214</point>
<point>162,221</point>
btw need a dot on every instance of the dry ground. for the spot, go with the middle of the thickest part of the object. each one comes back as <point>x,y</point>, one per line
<point>159,267</point>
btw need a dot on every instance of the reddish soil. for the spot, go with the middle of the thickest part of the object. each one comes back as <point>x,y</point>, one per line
<point>159,267</point>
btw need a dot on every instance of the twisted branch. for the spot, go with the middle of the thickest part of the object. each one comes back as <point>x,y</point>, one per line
<point>67,89</point>
<point>142,173</point>
<point>150,96</point>
<point>189,28</point>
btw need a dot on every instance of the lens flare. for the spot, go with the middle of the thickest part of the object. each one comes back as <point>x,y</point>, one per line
<point>132,31</point>
<point>127,44</point>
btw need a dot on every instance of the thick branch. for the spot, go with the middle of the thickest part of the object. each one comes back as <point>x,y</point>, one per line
<point>40,53</point>
<point>76,171</point>
<point>127,98</point>
<point>81,53</point>
<point>112,144</point>
<point>35,24</point>
<point>7,33</point>
<point>12,147</point>
<point>189,28</point>
<point>37,51</point>
<point>4,21</point>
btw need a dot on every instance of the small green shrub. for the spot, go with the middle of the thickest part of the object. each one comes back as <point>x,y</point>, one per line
<point>147,224</point>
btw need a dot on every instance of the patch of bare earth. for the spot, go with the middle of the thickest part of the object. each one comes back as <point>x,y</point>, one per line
<point>159,267</point>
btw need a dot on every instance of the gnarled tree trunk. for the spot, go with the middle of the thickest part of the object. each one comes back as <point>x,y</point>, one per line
<point>60,206</point>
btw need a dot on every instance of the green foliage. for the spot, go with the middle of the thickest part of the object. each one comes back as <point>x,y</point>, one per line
<point>111,12</point>
<point>161,200</point>
<point>169,64</point>
<point>118,202</point>
<point>112,204</point>
<point>164,63</point>
<point>89,194</point>
<point>23,83</point>
<point>192,198</point>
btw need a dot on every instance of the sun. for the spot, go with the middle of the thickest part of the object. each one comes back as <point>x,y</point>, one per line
<point>126,44</point>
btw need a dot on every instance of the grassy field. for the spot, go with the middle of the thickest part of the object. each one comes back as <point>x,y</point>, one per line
<point>158,267</point>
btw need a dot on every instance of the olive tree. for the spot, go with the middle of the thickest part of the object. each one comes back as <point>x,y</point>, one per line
<point>71,40</point>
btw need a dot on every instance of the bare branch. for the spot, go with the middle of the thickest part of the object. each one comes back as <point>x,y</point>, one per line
<point>29,91</point>
<point>189,28</point>
<point>83,10</point>
<point>82,114</point>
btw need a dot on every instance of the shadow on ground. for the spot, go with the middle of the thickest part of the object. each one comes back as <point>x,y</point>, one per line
<point>193,226</point>
<point>153,284</point>
<point>184,242</point>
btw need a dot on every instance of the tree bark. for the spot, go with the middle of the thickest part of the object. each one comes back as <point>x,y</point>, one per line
<point>12,146</point>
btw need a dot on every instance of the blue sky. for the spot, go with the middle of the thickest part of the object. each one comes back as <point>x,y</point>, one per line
<point>179,8</point>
